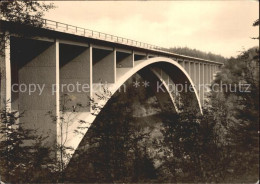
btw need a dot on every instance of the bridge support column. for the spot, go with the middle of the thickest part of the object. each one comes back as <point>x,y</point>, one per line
<point>207,80</point>
<point>75,77</point>
<point>197,77</point>
<point>124,59</point>
<point>139,56</point>
<point>104,65</point>
<point>210,73</point>
<point>35,65</point>
<point>181,62</point>
<point>200,80</point>
<point>215,69</point>
<point>57,93</point>
<point>203,81</point>
<point>187,66</point>
<point>213,72</point>
<point>5,75</point>
<point>192,71</point>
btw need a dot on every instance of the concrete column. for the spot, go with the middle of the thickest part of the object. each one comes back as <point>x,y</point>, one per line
<point>90,50</point>
<point>5,75</point>
<point>104,66</point>
<point>191,72</point>
<point>139,56</point>
<point>189,68</point>
<point>124,59</point>
<point>211,73</point>
<point>114,65</point>
<point>57,66</point>
<point>38,65</point>
<point>197,77</point>
<point>186,66</point>
<point>75,77</point>
<point>203,77</point>
<point>147,56</point>
<point>214,71</point>
<point>199,82</point>
<point>181,62</point>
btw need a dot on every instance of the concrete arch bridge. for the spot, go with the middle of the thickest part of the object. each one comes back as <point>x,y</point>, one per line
<point>59,59</point>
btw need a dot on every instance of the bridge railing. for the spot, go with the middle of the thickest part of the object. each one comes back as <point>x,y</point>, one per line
<point>58,26</point>
<point>63,27</point>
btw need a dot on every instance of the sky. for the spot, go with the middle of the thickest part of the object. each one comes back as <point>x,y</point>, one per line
<point>220,27</point>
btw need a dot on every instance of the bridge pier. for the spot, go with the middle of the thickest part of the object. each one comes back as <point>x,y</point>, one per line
<point>34,68</point>
<point>75,67</point>
<point>197,77</point>
<point>124,58</point>
<point>139,55</point>
<point>192,71</point>
<point>210,73</point>
<point>202,77</point>
<point>104,64</point>
<point>5,74</point>
<point>187,66</point>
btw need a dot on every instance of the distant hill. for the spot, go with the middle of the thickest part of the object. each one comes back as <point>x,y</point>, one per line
<point>197,53</point>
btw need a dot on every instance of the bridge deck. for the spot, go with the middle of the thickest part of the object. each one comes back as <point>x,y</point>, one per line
<point>108,38</point>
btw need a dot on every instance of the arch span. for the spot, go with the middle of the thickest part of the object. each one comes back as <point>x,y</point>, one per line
<point>164,76</point>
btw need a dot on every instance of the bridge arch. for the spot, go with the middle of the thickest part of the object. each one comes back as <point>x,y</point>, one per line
<point>164,72</point>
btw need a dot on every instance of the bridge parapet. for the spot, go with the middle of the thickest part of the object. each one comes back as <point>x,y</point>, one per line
<point>107,38</point>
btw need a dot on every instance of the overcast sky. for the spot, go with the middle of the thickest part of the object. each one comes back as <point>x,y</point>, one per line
<point>221,27</point>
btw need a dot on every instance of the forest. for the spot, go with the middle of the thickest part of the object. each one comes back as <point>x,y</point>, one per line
<point>197,53</point>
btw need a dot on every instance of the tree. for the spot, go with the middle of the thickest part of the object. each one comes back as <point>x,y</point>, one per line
<point>241,106</point>
<point>24,12</point>
<point>21,12</point>
<point>256,23</point>
<point>197,53</point>
<point>23,157</point>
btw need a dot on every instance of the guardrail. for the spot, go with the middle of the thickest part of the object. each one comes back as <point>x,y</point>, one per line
<point>58,26</point>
